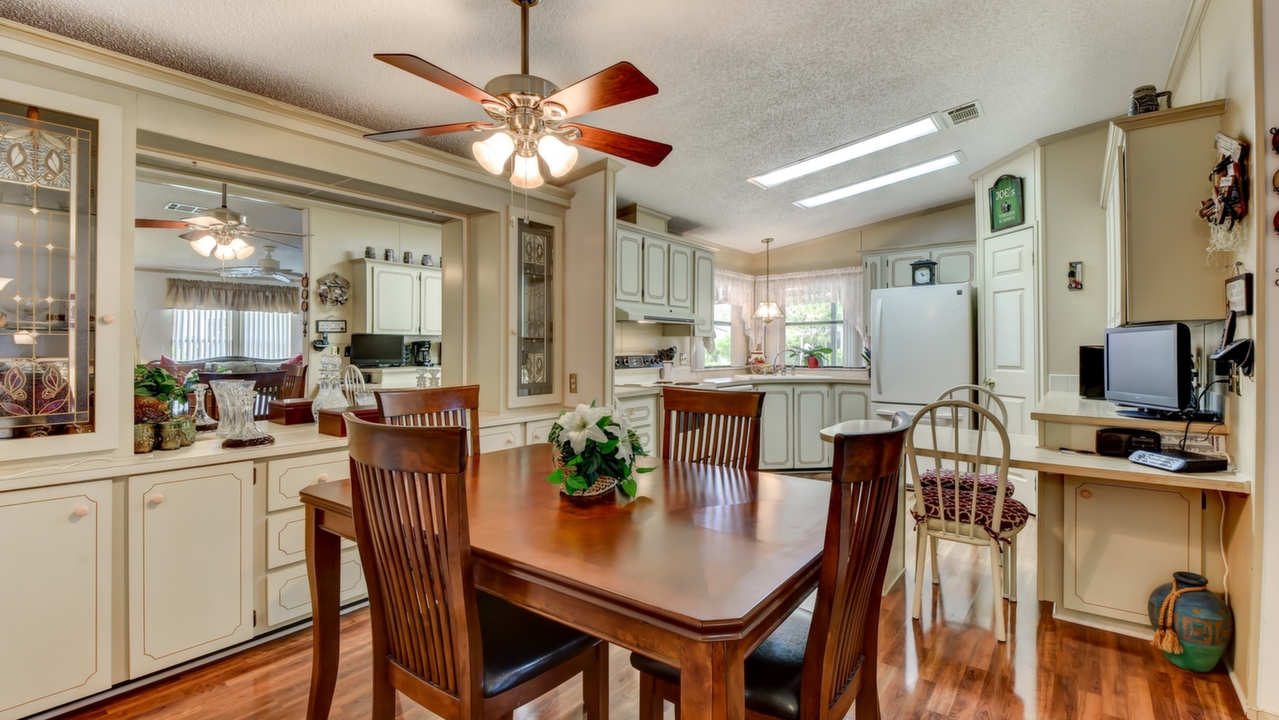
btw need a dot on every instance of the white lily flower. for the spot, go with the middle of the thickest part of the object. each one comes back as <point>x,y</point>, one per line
<point>580,426</point>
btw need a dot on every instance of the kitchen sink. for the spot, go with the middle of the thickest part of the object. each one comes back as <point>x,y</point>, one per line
<point>781,378</point>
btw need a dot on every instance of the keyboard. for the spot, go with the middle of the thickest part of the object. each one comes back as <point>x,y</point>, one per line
<point>1179,461</point>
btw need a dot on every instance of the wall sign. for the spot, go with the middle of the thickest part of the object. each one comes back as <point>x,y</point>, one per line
<point>1239,294</point>
<point>1006,207</point>
<point>328,326</point>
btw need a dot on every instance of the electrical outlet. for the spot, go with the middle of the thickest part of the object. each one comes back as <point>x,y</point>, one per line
<point>572,382</point>
<point>346,351</point>
<point>683,358</point>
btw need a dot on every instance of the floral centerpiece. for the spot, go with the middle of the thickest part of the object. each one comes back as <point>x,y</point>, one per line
<point>595,451</point>
<point>154,391</point>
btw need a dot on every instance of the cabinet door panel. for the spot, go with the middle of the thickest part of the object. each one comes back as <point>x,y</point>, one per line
<point>655,271</point>
<point>432,302</point>
<point>680,287</point>
<point>628,283</point>
<point>775,429</point>
<point>288,591</point>
<point>286,477</point>
<point>810,417</point>
<point>396,305</point>
<point>704,292</point>
<point>537,431</point>
<point>898,270</point>
<point>503,437</point>
<point>190,564</point>
<point>55,608</point>
<point>955,265</point>
<point>286,538</point>
<point>852,402</point>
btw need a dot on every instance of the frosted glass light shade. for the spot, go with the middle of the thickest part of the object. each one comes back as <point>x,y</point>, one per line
<point>204,245</point>
<point>526,173</point>
<point>768,311</point>
<point>224,252</point>
<point>559,156</point>
<point>241,248</point>
<point>492,153</point>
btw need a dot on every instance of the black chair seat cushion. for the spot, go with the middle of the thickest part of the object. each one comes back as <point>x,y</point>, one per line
<point>773,671</point>
<point>519,645</point>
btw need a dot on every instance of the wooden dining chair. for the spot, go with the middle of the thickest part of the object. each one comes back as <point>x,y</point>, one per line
<point>972,518</point>
<point>819,664</point>
<point>434,407</point>
<point>294,382</point>
<point>458,652</point>
<point>267,384</point>
<point>713,427</point>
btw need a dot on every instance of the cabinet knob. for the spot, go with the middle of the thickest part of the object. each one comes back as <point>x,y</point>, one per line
<point>1085,494</point>
<point>81,511</point>
<point>324,477</point>
<point>510,441</point>
<point>156,499</point>
<point>107,319</point>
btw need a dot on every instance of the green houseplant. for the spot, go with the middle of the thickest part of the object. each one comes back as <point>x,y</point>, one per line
<point>817,357</point>
<point>154,391</point>
<point>595,450</point>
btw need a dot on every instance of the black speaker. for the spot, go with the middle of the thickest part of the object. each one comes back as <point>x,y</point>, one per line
<point>1092,371</point>
<point>1122,442</point>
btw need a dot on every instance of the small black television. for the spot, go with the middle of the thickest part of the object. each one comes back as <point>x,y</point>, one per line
<point>1150,367</point>
<point>370,350</point>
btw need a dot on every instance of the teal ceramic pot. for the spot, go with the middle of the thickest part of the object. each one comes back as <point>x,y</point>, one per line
<point>1203,622</point>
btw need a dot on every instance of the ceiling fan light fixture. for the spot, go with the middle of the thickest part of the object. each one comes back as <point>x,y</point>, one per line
<point>896,176</point>
<point>241,248</point>
<point>851,151</point>
<point>559,156</point>
<point>526,174</point>
<point>493,153</point>
<point>224,252</point>
<point>204,244</point>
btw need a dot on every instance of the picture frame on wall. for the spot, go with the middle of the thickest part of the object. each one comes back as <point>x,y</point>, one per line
<point>1007,206</point>
<point>1075,275</point>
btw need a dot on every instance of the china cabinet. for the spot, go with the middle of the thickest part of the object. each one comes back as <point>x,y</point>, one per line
<point>396,299</point>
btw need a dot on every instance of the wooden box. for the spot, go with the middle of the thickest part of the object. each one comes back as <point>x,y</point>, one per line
<point>332,423</point>
<point>294,411</point>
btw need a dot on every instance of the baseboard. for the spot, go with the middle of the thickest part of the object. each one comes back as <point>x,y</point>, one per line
<point>1243,698</point>
<point>1262,715</point>
<point>1120,627</point>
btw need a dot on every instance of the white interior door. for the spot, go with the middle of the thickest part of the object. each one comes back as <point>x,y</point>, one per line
<point>1008,345</point>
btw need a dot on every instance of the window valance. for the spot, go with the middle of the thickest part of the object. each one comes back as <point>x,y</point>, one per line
<point>212,295</point>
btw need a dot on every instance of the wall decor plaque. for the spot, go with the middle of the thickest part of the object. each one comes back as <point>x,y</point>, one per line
<point>1006,203</point>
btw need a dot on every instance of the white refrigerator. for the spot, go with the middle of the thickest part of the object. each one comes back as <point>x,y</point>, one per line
<point>923,342</point>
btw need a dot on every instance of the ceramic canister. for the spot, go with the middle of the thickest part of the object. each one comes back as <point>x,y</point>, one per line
<point>170,435</point>
<point>1203,622</point>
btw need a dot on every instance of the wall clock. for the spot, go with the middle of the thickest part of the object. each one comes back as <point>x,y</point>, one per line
<point>333,290</point>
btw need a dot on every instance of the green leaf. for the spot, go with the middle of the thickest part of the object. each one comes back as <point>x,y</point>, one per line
<point>556,478</point>
<point>577,460</point>
<point>628,486</point>
<point>644,469</point>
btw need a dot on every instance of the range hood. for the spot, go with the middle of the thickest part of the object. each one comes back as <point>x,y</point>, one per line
<point>638,312</point>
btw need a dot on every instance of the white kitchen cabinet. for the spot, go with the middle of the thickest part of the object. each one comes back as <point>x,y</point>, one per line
<point>850,402</point>
<point>955,264</point>
<point>1122,541</point>
<point>628,283</point>
<point>55,606</point>
<point>704,293</point>
<point>538,431</point>
<point>656,287</point>
<point>285,477</point>
<point>776,428</point>
<point>643,415</point>
<point>812,413</point>
<point>190,564</point>
<point>432,301</point>
<point>897,269</point>
<point>501,437</point>
<point>288,589</point>
<point>391,288</point>
<point>1155,265</point>
<point>680,284</point>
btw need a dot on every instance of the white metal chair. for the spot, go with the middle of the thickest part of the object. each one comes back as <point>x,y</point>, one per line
<point>959,515</point>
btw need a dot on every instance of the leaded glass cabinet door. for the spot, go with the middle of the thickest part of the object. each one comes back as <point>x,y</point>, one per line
<point>46,273</point>
<point>536,293</point>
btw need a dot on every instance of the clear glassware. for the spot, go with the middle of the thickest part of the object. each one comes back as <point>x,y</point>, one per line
<point>244,431</point>
<point>330,390</point>
<point>423,381</point>
<point>435,377</point>
<point>226,419</point>
<point>203,422</point>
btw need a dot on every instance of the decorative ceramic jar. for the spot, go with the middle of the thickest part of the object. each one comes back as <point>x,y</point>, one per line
<point>188,429</point>
<point>143,438</point>
<point>427,261</point>
<point>408,257</point>
<point>1201,622</point>
<point>170,435</point>
<point>370,252</point>
<point>388,255</point>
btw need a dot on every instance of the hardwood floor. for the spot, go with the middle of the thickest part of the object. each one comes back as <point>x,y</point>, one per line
<point>946,666</point>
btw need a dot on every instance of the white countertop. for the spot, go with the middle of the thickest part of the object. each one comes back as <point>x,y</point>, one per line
<point>737,380</point>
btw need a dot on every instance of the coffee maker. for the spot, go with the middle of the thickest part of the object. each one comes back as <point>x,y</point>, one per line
<point>422,352</point>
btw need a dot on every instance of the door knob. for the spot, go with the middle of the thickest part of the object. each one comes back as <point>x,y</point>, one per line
<point>989,383</point>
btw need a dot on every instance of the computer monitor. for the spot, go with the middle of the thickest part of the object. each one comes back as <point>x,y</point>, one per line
<point>369,350</point>
<point>1150,367</point>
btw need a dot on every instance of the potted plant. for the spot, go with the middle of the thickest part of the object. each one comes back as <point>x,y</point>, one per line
<point>153,393</point>
<point>817,357</point>
<point>595,450</point>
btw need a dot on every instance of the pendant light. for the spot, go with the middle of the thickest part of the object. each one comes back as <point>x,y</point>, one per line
<point>768,310</point>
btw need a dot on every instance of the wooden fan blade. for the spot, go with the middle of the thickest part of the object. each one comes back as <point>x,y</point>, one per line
<point>420,132</point>
<point>627,147</point>
<point>619,84</point>
<point>163,224</point>
<point>437,75</point>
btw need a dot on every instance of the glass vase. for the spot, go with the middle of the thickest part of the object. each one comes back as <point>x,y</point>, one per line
<point>203,422</point>
<point>244,431</point>
<point>221,395</point>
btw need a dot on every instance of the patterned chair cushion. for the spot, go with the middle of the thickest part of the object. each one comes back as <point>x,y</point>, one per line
<point>939,504</point>
<point>986,482</point>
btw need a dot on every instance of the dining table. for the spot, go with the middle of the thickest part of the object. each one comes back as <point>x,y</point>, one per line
<point>696,570</point>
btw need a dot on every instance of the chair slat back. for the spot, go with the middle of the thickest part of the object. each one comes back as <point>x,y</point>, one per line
<point>985,397</point>
<point>434,407</point>
<point>859,528</point>
<point>713,427</point>
<point>409,504</point>
<point>294,382</point>
<point>268,385</point>
<point>987,453</point>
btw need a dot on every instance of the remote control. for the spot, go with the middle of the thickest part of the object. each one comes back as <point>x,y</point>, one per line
<point>1179,461</point>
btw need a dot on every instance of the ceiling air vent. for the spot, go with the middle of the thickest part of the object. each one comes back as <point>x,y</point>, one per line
<point>962,114</point>
<point>184,208</point>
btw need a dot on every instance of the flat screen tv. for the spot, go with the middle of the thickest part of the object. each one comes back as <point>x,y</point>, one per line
<point>1150,367</point>
<point>369,350</point>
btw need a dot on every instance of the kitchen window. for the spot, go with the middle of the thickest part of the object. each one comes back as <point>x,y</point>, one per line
<point>816,325</point>
<point>201,334</point>
<point>720,352</point>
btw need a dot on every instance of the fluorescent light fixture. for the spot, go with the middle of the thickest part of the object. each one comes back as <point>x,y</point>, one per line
<point>851,151</point>
<point>874,183</point>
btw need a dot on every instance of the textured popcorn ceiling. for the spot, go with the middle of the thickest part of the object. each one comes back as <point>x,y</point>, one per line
<point>745,86</point>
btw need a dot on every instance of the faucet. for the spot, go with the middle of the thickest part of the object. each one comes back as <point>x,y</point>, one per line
<point>787,351</point>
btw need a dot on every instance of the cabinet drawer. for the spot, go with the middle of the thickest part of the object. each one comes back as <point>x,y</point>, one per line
<point>502,437</point>
<point>537,431</point>
<point>646,437</point>
<point>639,411</point>
<point>286,538</point>
<point>288,592</point>
<point>285,478</point>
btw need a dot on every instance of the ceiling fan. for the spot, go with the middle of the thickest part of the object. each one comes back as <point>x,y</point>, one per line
<point>220,232</point>
<point>267,267</point>
<point>529,114</point>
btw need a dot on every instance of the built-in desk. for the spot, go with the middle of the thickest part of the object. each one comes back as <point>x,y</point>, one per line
<point>1067,420</point>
